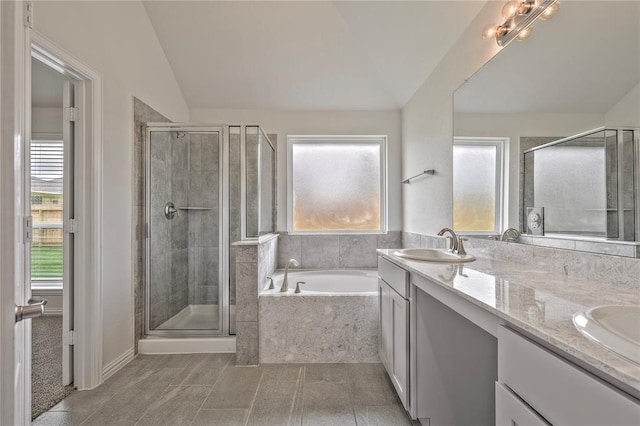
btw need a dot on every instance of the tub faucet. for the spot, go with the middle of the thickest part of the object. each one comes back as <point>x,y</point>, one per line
<point>285,283</point>
<point>453,244</point>
<point>510,234</point>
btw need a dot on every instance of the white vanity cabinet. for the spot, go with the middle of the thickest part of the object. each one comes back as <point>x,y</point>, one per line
<point>548,387</point>
<point>393,289</point>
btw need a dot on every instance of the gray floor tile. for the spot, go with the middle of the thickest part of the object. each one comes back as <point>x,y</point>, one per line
<point>60,418</point>
<point>127,407</point>
<point>329,416</point>
<point>373,395</point>
<point>235,388</point>
<point>282,372</point>
<point>382,415</point>
<point>274,403</point>
<point>85,401</point>
<point>178,405</point>
<point>367,374</point>
<point>220,417</point>
<point>326,373</point>
<point>326,394</point>
<point>204,371</point>
<point>327,403</point>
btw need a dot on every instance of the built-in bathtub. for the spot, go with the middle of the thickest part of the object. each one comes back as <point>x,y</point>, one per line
<point>333,319</point>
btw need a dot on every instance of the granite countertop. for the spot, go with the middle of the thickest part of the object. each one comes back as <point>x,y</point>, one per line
<point>539,302</point>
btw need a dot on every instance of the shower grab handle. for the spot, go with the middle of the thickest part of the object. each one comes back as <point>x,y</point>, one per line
<point>170,210</point>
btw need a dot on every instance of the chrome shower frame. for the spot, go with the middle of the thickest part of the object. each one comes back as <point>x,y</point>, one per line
<point>223,224</point>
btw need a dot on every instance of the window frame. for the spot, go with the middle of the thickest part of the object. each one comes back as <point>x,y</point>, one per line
<point>501,206</point>
<point>381,140</point>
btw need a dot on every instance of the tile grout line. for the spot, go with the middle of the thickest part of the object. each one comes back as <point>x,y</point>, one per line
<point>164,390</point>
<point>211,390</point>
<point>253,400</point>
<point>299,384</point>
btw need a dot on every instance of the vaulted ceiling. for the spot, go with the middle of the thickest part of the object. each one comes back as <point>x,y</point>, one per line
<point>336,55</point>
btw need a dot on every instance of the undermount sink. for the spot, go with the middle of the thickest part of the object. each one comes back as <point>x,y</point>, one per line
<point>616,327</point>
<point>433,255</point>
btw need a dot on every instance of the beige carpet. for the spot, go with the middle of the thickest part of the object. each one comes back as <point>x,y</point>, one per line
<point>46,364</point>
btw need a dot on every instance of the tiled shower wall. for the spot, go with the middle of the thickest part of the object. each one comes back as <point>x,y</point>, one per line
<point>335,251</point>
<point>202,173</point>
<point>169,252</point>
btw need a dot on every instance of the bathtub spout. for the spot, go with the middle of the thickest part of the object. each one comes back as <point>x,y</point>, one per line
<point>285,283</point>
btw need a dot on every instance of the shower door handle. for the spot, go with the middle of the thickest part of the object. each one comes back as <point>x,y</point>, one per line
<point>34,309</point>
<point>170,210</point>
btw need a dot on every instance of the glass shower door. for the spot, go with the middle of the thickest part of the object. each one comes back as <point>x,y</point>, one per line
<point>184,217</point>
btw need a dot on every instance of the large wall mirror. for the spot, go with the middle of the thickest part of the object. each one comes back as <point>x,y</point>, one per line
<point>577,74</point>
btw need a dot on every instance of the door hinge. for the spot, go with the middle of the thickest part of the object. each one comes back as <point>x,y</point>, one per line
<point>27,229</point>
<point>69,337</point>
<point>28,14</point>
<point>71,114</point>
<point>71,226</point>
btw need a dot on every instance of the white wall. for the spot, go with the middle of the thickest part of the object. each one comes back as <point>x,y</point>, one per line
<point>427,128</point>
<point>626,113</point>
<point>320,123</point>
<point>116,40</point>
<point>514,126</point>
<point>46,120</point>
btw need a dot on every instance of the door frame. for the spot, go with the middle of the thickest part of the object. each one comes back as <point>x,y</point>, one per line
<point>88,192</point>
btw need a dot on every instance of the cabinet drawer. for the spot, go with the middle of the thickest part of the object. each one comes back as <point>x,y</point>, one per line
<point>510,410</point>
<point>559,391</point>
<point>395,276</point>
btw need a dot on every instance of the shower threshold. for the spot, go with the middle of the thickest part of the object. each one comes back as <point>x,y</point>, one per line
<point>193,317</point>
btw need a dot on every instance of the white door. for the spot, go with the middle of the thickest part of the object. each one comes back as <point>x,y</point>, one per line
<point>68,132</point>
<point>15,345</point>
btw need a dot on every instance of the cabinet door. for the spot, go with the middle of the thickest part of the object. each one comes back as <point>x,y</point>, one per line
<point>385,324</point>
<point>399,361</point>
<point>511,411</point>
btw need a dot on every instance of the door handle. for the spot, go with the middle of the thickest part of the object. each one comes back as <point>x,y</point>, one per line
<point>33,309</point>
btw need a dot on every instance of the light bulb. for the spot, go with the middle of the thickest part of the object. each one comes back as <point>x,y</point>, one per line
<point>490,31</point>
<point>550,11</point>
<point>510,9</point>
<point>525,33</point>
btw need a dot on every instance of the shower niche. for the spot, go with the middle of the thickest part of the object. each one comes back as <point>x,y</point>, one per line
<point>206,188</point>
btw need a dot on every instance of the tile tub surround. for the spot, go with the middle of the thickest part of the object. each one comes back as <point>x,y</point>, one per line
<point>541,303</point>
<point>254,261</point>
<point>207,389</point>
<point>299,328</point>
<point>335,251</point>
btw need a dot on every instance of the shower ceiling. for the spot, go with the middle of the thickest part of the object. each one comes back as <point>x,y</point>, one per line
<point>306,55</point>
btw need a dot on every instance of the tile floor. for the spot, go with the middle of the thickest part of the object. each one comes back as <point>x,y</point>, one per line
<point>208,389</point>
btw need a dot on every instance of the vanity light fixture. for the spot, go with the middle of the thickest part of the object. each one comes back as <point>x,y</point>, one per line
<point>519,15</point>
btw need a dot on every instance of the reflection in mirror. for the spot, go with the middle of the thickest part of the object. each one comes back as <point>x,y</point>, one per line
<point>578,71</point>
<point>601,161</point>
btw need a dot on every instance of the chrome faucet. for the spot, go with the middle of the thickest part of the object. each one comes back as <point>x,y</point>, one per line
<point>285,283</point>
<point>510,234</point>
<point>453,243</point>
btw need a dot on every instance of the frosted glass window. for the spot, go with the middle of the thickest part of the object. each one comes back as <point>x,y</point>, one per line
<point>477,183</point>
<point>337,184</point>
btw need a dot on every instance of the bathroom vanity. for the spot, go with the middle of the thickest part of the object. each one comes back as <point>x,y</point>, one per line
<point>493,342</point>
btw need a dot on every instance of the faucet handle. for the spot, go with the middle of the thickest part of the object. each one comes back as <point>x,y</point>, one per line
<point>298,286</point>
<point>271,286</point>
<point>461,250</point>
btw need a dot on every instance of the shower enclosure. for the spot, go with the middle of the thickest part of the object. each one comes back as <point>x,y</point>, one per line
<point>206,188</point>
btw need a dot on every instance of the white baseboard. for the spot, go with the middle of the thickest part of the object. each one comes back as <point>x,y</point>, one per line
<point>115,365</point>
